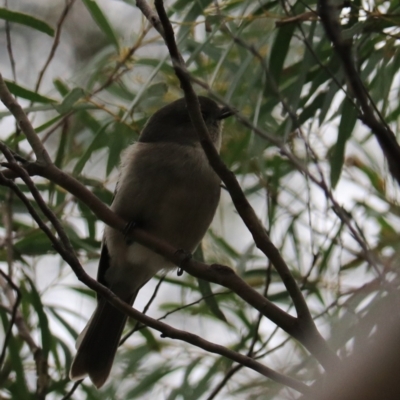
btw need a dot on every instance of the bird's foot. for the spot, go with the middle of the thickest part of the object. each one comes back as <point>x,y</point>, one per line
<point>183,257</point>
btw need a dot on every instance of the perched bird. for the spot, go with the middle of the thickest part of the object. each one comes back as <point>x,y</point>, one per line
<point>167,188</point>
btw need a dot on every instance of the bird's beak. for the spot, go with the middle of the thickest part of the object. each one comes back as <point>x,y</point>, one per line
<point>226,112</point>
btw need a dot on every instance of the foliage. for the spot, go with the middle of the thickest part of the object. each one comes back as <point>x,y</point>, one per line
<point>338,233</point>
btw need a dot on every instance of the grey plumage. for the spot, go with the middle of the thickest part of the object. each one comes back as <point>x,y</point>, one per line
<point>168,188</point>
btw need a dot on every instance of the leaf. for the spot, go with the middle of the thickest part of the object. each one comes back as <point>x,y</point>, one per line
<point>327,102</point>
<point>101,21</point>
<point>36,303</point>
<point>34,243</point>
<point>133,356</point>
<point>146,383</point>
<point>24,93</point>
<point>61,87</point>
<point>225,246</point>
<point>374,176</point>
<point>152,343</point>
<point>157,89</point>
<point>27,20</point>
<point>204,383</point>
<point>311,110</point>
<point>18,388</point>
<point>197,9</point>
<point>279,51</point>
<point>69,100</point>
<point>64,323</point>
<point>47,124</point>
<point>346,126</point>
<point>65,365</point>
<point>121,136</point>
<point>99,141</point>
<point>209,298</point>
<point>295,93</point>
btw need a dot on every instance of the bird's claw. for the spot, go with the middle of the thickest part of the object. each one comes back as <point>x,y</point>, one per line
<point>184,256</point>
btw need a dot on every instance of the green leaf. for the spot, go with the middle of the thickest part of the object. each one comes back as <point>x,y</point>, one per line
<point>311,110</point>
<point>101,21</point>
<point>99,141</point>
<point>34,243</point>
<point>132,357</point>
<point>196,9</point>
<point>47,124</point>
<point>37,304</point>
<point>152,343</point>
<point>327,102</point>
<point>18,388</point>
<point>69,100</point>
<point>147,382</point>
<point>346,126</point>
<point>157,90</point>
<point>279,51</point>
<point>71,330</point>
<point>27,20</point>
<point>61,87</point>
<point>121,136</point>
<point>204,383</point>
<point>24,93</point>
<point>205,289</point>
<point>294,96</point>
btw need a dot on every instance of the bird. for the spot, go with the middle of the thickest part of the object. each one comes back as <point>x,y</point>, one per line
<point>167,187</point>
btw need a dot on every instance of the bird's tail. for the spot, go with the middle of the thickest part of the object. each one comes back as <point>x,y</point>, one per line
<point>98,344</point>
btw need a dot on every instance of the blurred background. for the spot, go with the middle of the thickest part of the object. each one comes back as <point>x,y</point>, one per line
<point>90,77</point>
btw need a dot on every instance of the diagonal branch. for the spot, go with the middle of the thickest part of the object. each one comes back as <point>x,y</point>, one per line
<point>219,274</point>
<point>306,332</point>
<point>166,330</point>
<point>14,311</point>
<point>56,41</point>
<point>383,133</point>
<point>243,207</point>
<point>23,122</point>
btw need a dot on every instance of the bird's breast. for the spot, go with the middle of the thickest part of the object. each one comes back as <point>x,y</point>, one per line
<point>170,190</point>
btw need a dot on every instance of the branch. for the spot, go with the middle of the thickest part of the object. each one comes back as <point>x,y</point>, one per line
<point>9,47</point>
<point>321,183</point>
<point>56,41</point>
<point>13,314</point>
<point>166,330</point>
<point>305,331</point>
<point>384,135</point>
<point>216,273</point>
<point>302,328</point>
<point>219,274</point>
<point>9,101</point>
<point>151,16</point>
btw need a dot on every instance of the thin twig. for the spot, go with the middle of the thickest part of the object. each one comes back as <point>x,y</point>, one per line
<point>306,331</point>
<point>250,352</point>
<point>144,311</point>
<point>9,101</point>
<point>222,275</point>
<point>71,392</point>
<point>237,368</point>
<point>166,330</point>
<point>56,41</point>
<point>384,135</point>
<point>114,74</point>
<point>320,182</point>
<point>13,315</point>
<point>38,198</point>
<point>151,16</point>
<point>9,47</point>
